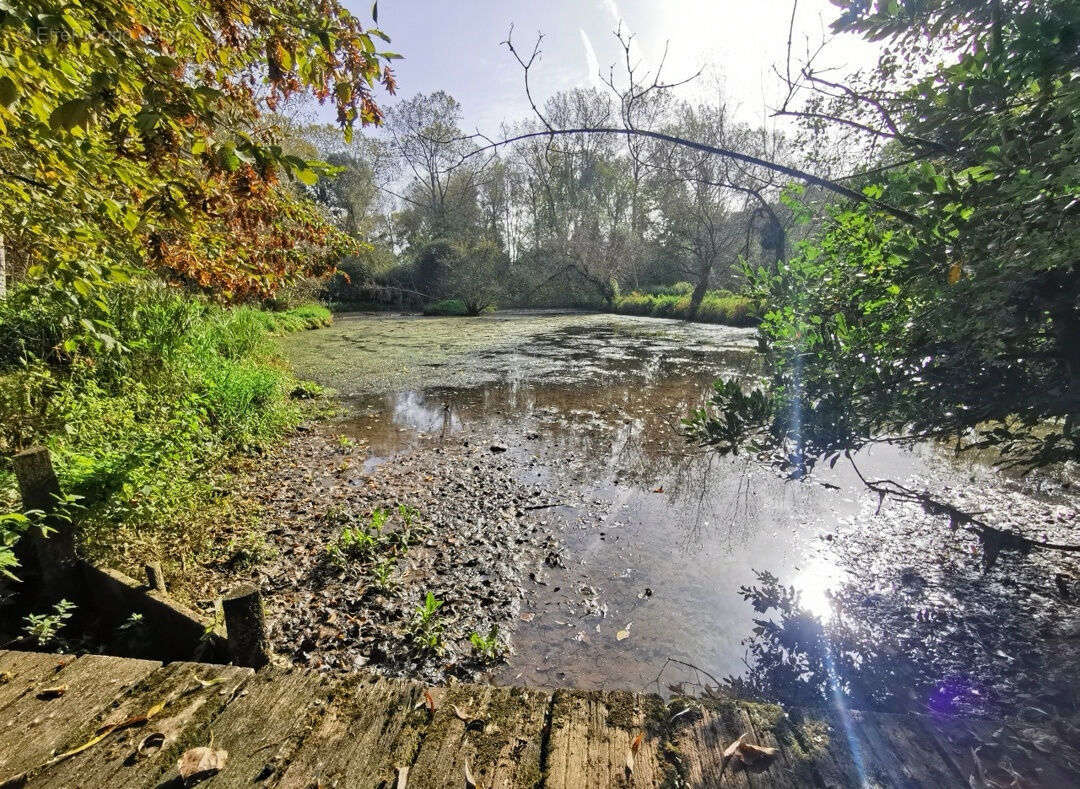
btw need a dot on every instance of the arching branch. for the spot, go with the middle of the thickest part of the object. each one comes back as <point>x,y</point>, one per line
<point>791,172</point>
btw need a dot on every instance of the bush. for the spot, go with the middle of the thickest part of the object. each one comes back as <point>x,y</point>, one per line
<point>138,424</point>
<point>445,307</point>
<point>673,301</point>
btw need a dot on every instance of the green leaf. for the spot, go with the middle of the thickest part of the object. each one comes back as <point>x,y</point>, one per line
<point>309,177</point>
<point>70,114</point>
<point>8,91</point>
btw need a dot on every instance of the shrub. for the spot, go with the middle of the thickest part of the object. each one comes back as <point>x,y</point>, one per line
<point>138,425</point>
<point>446,307</point>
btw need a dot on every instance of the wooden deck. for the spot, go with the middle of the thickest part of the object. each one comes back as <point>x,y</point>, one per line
<point>133,720</point>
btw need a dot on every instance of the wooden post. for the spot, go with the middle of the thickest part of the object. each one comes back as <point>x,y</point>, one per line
<point>155,578</point>
<point>40,490</point>
<point>245,627</point>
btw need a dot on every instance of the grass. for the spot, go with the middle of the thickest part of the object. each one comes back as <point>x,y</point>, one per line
<point>673,301</point>
<point>140,416</point>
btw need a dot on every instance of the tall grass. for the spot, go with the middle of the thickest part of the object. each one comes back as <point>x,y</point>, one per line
<point>673,301</point>
<point>139,419</point>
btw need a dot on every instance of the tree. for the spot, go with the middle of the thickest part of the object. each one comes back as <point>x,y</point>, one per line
<point>959,325</point>
<point>474,275</point>
<point>132,138</point>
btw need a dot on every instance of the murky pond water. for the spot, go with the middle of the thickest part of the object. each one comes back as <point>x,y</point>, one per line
<point>657,537</point>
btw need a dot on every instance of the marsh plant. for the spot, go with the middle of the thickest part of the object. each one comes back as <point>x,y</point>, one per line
<point>373,547</point>
<point>426,627</point>
<point>488,647</point>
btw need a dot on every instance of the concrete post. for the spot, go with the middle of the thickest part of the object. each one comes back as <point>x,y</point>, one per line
<point>245,627</point>
<point>155,578</point>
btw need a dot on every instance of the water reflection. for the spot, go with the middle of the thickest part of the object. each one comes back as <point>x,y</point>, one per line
<point>658,537</point>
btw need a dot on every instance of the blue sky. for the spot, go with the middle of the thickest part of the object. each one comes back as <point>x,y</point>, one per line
<point>454,46</point>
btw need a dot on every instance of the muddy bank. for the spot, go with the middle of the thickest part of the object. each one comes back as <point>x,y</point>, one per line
<point>458,526</point>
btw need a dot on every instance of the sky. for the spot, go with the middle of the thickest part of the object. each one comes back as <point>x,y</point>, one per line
<point>455,46</point>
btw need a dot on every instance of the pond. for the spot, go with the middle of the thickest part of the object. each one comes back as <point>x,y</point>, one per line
<point>657,540</point>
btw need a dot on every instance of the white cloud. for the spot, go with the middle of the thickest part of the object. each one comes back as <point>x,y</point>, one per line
<point>591,60</point>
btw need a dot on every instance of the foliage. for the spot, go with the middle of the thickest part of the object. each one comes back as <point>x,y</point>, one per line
<point>44,629</point>
<point>426,625</point>
<point>446,307</point>
<point>718,306</point>
<point>140,434</point>
<point>360,543</point>
<point>133,138</point>
<point>959,323</point>
<point>488,647</point>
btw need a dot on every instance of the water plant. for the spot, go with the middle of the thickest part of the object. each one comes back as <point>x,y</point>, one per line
<point>489,646</point>
<point>426,628</point>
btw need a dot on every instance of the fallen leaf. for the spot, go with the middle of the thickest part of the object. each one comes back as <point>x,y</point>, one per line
<point>955,270</point>
<point>659,489</point>
<point>461,715</point>
<point>622,634</point>
<point>470,782</point>
<point>730,750</point>
<point>402,777</point>
<point>6,677</point>
<point>755,754</point>
<point>200,762</point>
<point>430,701</point>
<point>52,693</point>
<point>637,742</point>
<point>528,616</point>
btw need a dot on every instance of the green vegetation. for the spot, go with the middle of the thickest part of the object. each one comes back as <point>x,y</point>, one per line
<point>360,543</point>
<point>426,626</point>
<point>947,306</point>
<point>673,301</point>
<point>446,308</point>
<point>488,647</point>
<point>44,629</point>
<point>370,546</point>
<point>138,425</point>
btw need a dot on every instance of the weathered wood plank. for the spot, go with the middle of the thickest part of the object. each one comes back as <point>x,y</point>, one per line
<point>500,738</point>
<point>35,726</point>
<point>371,727</point>
<point>190,696</point>
<point>1009,754</point>
<point>699,739</point>
<point>591,736</point>
<point>24,671</point>
<point>264,725</point>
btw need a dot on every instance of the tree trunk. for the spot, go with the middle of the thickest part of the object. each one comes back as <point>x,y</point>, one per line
<point>3,269</point>
<point>698,295</point>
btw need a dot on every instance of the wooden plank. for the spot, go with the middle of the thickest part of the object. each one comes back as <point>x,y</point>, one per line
<point>372,726</point>
<point>35,727</point>
<point>591,735</point>
<point>500,738</point>
<point>191,695</point>
<point>264,725</point>
<point>24,671</point>
<point>1009,754</point>
<point>700,737</point>
<point>816,742</point>
<point>918,758</point>
<point>768,725</point>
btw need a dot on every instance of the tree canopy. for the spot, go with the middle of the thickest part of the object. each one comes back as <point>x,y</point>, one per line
<point>962,323</point>
<point>134,137</point>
